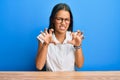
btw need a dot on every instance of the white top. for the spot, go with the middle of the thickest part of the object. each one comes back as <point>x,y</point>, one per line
<point>60,57</point>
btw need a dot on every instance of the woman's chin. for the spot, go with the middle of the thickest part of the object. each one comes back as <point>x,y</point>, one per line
<point>62,31</point>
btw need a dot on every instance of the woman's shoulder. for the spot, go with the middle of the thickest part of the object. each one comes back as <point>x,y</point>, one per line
<point>68,35</point>
<point>68,32</point>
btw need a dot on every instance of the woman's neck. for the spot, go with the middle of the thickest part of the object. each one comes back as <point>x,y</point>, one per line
<point>60,36</point>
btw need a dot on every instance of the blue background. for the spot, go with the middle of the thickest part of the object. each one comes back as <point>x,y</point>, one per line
<point>22,20</point>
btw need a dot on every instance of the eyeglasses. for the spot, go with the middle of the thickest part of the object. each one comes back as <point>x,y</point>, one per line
<point>60,20</point>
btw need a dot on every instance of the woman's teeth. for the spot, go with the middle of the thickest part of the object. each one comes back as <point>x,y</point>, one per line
<point>62,27</point>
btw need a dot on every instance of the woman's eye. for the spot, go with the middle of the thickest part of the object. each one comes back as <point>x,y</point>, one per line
<point>58,18</point>
<point>67,19</point>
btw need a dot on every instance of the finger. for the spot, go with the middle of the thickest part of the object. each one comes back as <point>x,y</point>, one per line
<point>46,31</point>
<point>51,31</point>
<point>43,34</point>
<point>82,37</point>
<point>41,37</point>
<point>73,35</point>
<point>81,33</point>
<point>78,33</point>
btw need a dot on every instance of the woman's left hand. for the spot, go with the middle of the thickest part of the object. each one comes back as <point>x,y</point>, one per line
<point>76,38</point>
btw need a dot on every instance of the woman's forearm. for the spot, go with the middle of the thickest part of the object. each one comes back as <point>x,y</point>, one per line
<point>79,58</point>
<point>41,56</point>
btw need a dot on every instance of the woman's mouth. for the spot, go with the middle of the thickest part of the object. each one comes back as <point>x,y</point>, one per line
<point>62,27</point>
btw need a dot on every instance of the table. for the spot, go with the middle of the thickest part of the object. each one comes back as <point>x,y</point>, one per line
<point>38,75</point>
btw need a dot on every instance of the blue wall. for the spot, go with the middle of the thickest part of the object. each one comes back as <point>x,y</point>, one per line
<point>22,20</point>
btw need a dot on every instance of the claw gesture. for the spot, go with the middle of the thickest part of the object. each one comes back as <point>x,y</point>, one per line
<point>47,36</point>
<point>76,38</point>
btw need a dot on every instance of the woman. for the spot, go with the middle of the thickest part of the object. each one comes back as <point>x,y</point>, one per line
<point>60,48</point>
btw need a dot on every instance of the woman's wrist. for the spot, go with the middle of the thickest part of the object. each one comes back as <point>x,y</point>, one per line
<point>45,44</point>
<point>77,47</point>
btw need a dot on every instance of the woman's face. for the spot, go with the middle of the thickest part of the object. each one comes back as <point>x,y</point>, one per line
<point>62,21</point>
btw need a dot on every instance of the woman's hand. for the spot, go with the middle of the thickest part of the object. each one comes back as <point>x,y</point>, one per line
<point>47,37</point>
<point>76,38</point>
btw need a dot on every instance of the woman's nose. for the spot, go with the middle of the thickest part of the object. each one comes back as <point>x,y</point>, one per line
<point>63,21</point>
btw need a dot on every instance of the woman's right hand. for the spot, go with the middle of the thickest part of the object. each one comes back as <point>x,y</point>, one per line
<point>47,37</point>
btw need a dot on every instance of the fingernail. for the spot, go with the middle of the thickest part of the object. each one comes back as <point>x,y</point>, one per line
<point>83,37</point>
<point>81,33</point>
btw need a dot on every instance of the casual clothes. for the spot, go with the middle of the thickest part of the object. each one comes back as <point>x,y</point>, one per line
<point>60,57</point>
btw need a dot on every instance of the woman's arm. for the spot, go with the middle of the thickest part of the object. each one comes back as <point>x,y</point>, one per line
<point>76,41</point>
<point>41,55</point>
<point>43,48</point>
<point>79,58</point>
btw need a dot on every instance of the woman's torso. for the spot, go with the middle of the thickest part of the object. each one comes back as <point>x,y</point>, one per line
<point>60,57</point>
